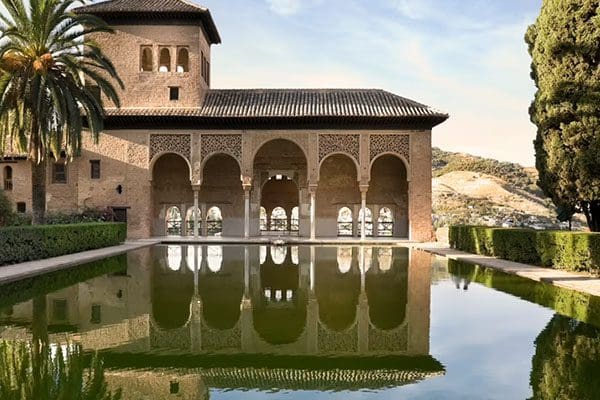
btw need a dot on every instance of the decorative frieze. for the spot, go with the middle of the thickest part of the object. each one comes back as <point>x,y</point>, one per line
<point>389,143</point>
<point>339,143</point>
<point>391,340</point>
<point>170,143</point>
<point>229,144</point>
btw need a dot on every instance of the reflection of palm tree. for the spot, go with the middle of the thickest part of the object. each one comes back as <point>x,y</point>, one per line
<point>34,370</point>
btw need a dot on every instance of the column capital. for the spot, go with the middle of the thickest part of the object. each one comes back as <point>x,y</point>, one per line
<point>246,183</point>
<point>363,187</point>
<point>312,187</point>
<point>196,187</point>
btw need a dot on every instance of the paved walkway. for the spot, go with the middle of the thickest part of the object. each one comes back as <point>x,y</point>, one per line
<point>581,282</point>
<point>15,272</point>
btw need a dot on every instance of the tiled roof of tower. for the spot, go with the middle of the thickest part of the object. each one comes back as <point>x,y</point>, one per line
<point>298,104</point>
<point>141,9</point>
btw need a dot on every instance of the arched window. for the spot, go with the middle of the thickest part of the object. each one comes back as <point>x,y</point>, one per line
<point>368,222</point>
<point>344,259</point>
<point>278,254</point>
<point>214,258</point>
<point>279,219</point>
<point>193,257</point>
<point>8,178</point>
<point>384,258</point>
<point>385,223</point>
<point>264,224</point>
<point>214,222</point>
<point>189,221</point>
<point>174,257</point>
<point>164,60</point>
<point>295,220</point>
<point>344,222</point>
<point>174,221</point>
<point>183,60</point>
<point>147,64</point>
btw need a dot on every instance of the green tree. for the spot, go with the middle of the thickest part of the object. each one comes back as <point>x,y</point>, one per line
<point>48,66</point>
<point>564,44</point>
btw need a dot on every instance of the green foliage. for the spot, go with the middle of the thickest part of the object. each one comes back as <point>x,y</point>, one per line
<point>565,51</point>
<point>566,361</point>
<point>35,371</point>
<point>6,210</point>
<point>26,243</point>
<point>575,251</point>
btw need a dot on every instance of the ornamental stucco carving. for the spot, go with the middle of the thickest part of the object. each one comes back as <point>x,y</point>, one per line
<point>392,340</point>
<point>389,143</point>
<point>229,144</point>
<point>170,143</point>
<point>336,143</point>
<point>332,341</point>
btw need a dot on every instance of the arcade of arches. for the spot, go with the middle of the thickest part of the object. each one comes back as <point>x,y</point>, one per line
<point>285,186</point>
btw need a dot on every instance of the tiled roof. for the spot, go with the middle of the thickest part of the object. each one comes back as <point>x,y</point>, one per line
<point>313,104</point>
<point>145,8</point>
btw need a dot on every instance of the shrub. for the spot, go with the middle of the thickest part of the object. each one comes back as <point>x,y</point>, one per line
<point>574,251</point>
<point>27,243</point>
<point>6,210</point>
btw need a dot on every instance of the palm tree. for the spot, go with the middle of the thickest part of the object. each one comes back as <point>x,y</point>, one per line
<point>48,69</point>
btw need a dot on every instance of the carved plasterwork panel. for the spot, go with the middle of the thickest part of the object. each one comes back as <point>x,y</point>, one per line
<point>390,143</point>
<point>170,143</point>
<point>339,143</point>
<point>229,144</point>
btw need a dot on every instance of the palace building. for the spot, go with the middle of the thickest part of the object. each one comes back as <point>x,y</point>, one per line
<point>180,158</point>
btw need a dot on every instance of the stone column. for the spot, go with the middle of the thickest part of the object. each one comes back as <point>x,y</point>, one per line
<point>196,189</point>
<point>246,212</point>
<point>313,212</point>
<point>363,208</point>
<point>204,224</point>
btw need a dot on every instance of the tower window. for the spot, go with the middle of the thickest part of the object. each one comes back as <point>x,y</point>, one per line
<point>174,93</point>
<point>183,60</point>
<point>146,59</point>
<point>165,60</point>
<point>59,170</point>
<point>95,169</point>
<point>21,207</point>
<point>8,178</point>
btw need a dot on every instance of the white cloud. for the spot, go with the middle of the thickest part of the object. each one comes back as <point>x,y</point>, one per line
<point>285,7</point>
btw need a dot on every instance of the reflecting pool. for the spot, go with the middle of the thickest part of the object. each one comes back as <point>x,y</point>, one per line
<point>300,322</point>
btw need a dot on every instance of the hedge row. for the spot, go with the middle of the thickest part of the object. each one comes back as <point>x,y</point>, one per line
<point>573,251</point>
<point>27,243</point>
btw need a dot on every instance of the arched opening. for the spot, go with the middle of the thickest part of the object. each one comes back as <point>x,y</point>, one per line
<point>338,187</point>
<point>264,220</point>
<point>8,178</point>
<point>183,60</point>
<point>368,221</point>
<point>387,290</point>
<point>174,222</point>
<point>280,174</point>
<point>222,188</point>
<point>164,60</point>
<point>190,219</point>
<point>146,64</point>
<point>171,187</point>
<point>385,222</point>
<point>345,226</point>
<point>279,220</point>
<point>389,189</point>
<point>214,222</point>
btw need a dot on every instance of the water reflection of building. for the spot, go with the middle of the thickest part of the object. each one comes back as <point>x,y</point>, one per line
<point>192,301</point>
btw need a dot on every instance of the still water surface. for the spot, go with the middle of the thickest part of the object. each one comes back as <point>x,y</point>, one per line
<point>300,322</point>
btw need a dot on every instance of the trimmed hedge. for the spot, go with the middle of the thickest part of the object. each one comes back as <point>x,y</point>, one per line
<point>573,251</point>
<point>27,243</point>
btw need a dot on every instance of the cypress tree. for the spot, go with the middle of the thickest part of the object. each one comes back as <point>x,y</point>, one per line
<point>564,44</point>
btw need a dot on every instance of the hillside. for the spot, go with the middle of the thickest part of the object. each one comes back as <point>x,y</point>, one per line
<point>475,190</point>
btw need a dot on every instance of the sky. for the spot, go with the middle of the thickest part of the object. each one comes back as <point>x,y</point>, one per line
<point>464,57</point>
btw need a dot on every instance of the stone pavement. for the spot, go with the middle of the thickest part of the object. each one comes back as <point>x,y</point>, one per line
<point>581,282</point>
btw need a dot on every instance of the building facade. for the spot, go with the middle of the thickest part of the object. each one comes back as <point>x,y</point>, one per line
<point>180,158</point>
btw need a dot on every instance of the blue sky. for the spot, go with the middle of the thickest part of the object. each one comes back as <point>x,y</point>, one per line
<point>465,57</point>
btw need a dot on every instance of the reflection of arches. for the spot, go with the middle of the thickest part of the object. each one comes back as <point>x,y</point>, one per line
<point>262,254</point>
<point>174,221</point>
<point>189,220</point>
<point>385,258</point>
<point>337,294</point>
<point>279,220</point>
<point>214,221</point>
<point>174,257</point>
<point>214,258</point>
<point>294,255</point>
<point>344,222</point>
<point>193,257</point>
<point>164,61</point>
<point>368,221</point>
<point>183,60</point>
<point>278,254</point>
<point>387,292</point>
<point>389,188</point>
<point>344,259</point>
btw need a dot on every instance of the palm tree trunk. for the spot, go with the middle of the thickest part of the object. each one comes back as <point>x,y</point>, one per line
<point>38,192</point>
